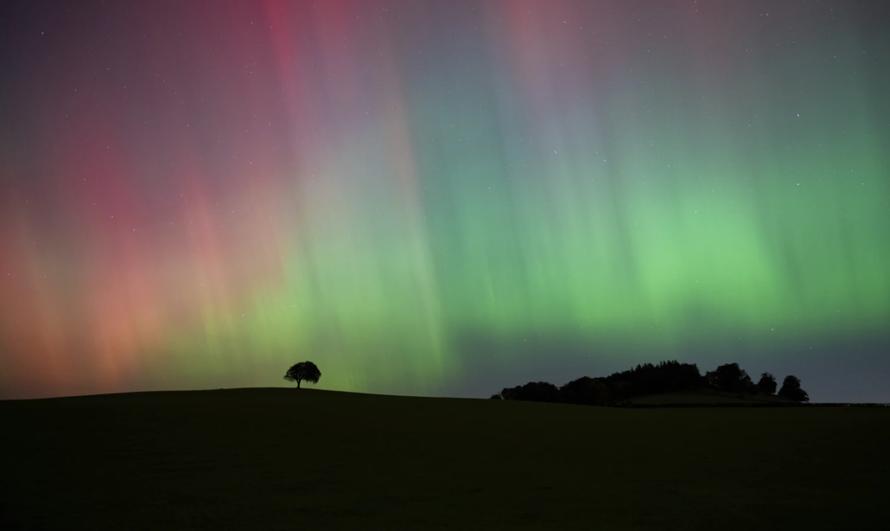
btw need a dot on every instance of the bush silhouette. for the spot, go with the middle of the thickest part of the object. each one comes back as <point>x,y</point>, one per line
<point>305,370</point>
<point>792,391</point>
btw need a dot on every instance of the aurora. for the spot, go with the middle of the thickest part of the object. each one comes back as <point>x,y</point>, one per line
<point>441,198</point>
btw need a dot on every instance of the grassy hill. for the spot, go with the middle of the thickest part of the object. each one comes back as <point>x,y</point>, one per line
<point>270,459</point>
<point>709,397</point>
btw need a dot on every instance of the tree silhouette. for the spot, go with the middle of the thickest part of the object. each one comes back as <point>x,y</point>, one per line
<point>792,391</point>
<point>730,378</point>
<point>586,391</point>
<point>532,392</point>
<point>647,379</point>
<point>305,370</point>
<point>767,384</point>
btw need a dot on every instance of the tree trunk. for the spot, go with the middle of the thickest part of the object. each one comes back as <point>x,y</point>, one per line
<point>298,384</point>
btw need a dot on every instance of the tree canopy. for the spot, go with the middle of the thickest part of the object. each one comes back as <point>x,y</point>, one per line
<point>305,370</point>
<point>586,391</point>
<point>767,384</point>
<point>730,378</point>
<point>666,377</point>
<point>791,389</point>
<point>647,379</point>
<point>533,392</point>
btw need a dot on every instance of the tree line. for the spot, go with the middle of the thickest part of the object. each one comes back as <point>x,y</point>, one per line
<point>648,379</point>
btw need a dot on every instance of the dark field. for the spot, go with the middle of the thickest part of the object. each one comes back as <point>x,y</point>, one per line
<point>259,459</point>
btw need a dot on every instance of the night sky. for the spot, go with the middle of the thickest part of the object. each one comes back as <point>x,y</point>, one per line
<point>442,197</point>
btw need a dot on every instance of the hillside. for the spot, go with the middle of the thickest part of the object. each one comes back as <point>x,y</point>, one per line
<point>286,459</point>
<point>710,397</point>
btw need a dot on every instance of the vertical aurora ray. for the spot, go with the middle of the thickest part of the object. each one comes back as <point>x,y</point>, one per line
<point>417,195</point>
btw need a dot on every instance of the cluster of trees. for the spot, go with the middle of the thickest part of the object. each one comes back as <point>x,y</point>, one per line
<point>647,379</point>
<point>733,379</point>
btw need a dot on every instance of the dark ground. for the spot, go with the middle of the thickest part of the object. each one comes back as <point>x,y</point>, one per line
<point>266,459</point>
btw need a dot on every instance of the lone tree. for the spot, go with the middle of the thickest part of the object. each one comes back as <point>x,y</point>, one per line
<point>767,384</point>
<point>792,391</point>
<point>305,370</point>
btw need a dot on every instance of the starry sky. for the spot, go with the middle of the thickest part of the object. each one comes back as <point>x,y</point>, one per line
<point>442,198</point>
